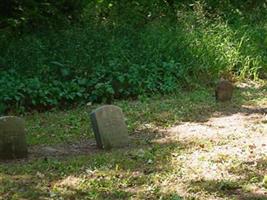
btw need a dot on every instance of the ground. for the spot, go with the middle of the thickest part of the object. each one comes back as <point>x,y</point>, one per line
<point>183,146</point>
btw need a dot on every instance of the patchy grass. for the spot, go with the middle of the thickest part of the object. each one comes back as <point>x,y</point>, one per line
<point>184,146</point>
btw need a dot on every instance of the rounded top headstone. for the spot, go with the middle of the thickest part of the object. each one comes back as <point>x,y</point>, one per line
<point>12,138</point>
<point>109,127</point>
<point>106,107</point>
<point>224,90</point>
<point>12,123</point>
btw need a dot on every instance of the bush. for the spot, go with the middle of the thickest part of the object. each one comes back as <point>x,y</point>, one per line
<point>22,94</point>
<point>111,56</point>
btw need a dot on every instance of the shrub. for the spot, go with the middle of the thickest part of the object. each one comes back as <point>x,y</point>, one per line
<point>109,56</point>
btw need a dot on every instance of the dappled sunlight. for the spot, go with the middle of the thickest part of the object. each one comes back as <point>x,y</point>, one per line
<point>184,145</point>
<point>66,187</point>
<point>19,185</point>
<point>160,63</point>
<point>69,182</point>
<point>108,181</point>
<point>233,126</point>
<point>217,151</point>
<point>229,170</point>
<point>215,161</point>
<point>17,178</point>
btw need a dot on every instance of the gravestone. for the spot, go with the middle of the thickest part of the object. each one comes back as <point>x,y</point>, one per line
<point>12,138</point>
<point>224,91</point>
<point>109,127</point>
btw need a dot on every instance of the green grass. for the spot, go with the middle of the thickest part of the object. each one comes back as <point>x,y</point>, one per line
<point>151,168</point>
<point>58,126</point>
<point>159,111</point>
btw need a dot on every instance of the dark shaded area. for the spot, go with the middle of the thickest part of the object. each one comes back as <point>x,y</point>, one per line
<point>52,167</point>
<point>28,15</point>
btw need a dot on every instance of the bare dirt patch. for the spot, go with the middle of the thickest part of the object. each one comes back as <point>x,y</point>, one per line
<point>221,127</point>
<point>60,150</point>
<point>233,153</point>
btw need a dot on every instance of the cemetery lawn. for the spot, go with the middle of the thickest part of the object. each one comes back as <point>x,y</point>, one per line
<point>184,146</point>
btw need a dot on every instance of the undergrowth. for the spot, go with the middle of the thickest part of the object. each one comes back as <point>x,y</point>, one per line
<point>142,50</point>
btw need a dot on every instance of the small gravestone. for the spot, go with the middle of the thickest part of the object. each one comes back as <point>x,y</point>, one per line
<point>12,138</point>
<point>109,127</point>
<point>224,91</point>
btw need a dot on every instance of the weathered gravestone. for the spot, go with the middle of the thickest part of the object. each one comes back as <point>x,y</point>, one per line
<point>224,91</point>
<point>12,138</point>
<point>109,127</point>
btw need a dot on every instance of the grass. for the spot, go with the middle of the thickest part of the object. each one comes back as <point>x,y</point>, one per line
<point>157,165</point>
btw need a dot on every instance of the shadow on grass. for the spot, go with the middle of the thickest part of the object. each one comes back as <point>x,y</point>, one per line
<point>241,97</point>
<point>115,174</point>
<point>122,173</point>
<point>200,106</point>
<point>237,189</point>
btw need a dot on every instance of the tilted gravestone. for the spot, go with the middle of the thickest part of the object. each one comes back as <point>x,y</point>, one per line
<point>12,138</point>
<point>109,127</point>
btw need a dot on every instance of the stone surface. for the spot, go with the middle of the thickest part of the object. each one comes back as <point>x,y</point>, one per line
<point>12,138</point>
<point>109,127</point>
<point>224,91</point>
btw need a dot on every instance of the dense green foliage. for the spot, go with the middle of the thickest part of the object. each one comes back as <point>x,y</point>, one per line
<point>126,49</point>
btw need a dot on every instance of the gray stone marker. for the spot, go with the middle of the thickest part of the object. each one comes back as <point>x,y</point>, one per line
<point>109,127</point>
<point>12,138</point>
<point>224,91</point>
